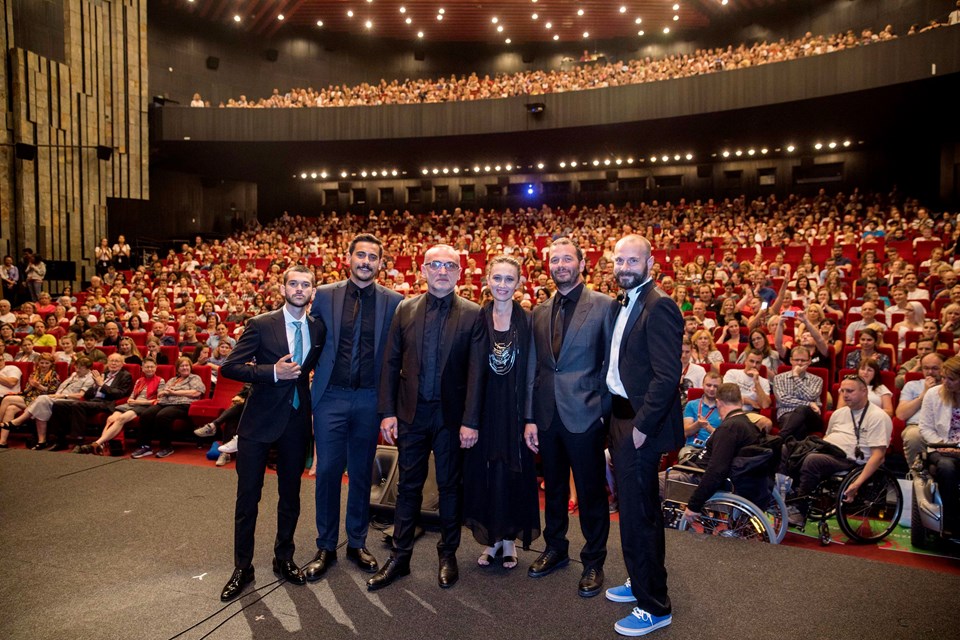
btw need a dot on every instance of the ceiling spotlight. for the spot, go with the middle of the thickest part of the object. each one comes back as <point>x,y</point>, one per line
<point>666,30</point>
<point>676,157</point>
<point>573,163</point>
<point>439,16</point>
<point>509,167</point>
<point>579,12</point>
<point>496,168</point>
<point>556,36</point>
<point>790,148</point>
<point>751,152</point>
<point>441,11</point>
<point>534,16</point>
<point>499,28</point>
<point>623,9</point>
<point>764,151</point>
<point>394,172</point>
<point>409,20</point>
<point>606,162</point>
<point>486,167</point>
<point>832,145</point>
<point>665,158</point>
<point>363,174</point>
<point>344,174</point>
<point>350,13</point>
<point>586,34</point>
<point>403,9</point>
<point>368,24</point>
<point>323,174</point>
<point>675,17</point>
<point>549,25</point>
<point>818,146</point>
<point>653,158</point>
<point>494,19</point>
<point>446,171</point>
<point>563,165</point>
<point>424,171</point>
<point>456,169</point>
<point>689,156</point>
<point>420,34</point>
<point>539,165</point>
<point>508,41</point>
<point>314,175</point>
<point>676,7</point>
<point>724,2</point>
<point>619,161</point>
<point>725,154</point>
<point>638,21</point>
<point>303,175</point>
<point>319,23</point>
<point>476,168</point>
<point>847,143</point>
<point>374,173</point>
<point>596,162</point>
<point>738,153</point>
<point>630,160</point>
<point>236,18</point>
<point>280,17</point>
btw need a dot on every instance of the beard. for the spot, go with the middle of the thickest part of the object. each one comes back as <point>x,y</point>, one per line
<point>631,279</point>
<point>293,302</point>
<point>363,275</point>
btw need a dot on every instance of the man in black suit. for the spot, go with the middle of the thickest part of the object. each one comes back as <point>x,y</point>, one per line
<point>357,313</point>
<point>70,416</point>
<point>431,391</point>
<point>275,353</point>
<point>567,404</point>
<point>647,421</point>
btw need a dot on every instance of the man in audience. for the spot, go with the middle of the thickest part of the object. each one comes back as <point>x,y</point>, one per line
<point>69,418</point>
<point>798,396</point>
<point>693,374</point>
<point>911,398</point>
<point>914,292</point>
<point>924,347</point>
<point>754,387</point>
<point>700,416</point>
<point>899,295</point>
<point>868,311</point>
<point>164,333</point>
<point>700,313</point>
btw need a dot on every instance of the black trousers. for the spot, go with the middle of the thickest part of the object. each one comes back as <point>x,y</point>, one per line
<point>800,423</point>
<point>157,422</point>
<point>560,452</point>
<point>641,519</point>
<point>70,418</point>
<point>251,466</point>
<point>415,441</point>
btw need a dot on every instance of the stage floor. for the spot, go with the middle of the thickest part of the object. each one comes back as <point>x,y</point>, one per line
<point>117,548</point>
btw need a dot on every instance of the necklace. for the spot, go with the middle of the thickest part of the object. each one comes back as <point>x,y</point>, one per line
<point>503,356</point>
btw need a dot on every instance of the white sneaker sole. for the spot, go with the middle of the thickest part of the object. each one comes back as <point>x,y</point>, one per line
<point>613,597</point>
<point>624,631</point>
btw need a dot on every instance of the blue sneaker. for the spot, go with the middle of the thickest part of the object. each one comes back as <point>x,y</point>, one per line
<point>640,623</point>
<point>623,593</point>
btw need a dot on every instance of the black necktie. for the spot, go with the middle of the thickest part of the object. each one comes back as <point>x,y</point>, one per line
<point>355,350</point>
<point>558,325</point>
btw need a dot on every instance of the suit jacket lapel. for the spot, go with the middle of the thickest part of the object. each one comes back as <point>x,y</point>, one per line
<point>583,309</point>
<point>380,309</point>
<point>419,318</point>
<point>339,294</point>
<point>450,330</point>
<point>634,316</point>
<point>280,330</point>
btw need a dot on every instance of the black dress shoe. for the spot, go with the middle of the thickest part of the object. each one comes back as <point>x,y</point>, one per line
<point>548,562</point>
<point>449,573</point>
<point>236,583</point>
<point>590,583</point>
<point>363,559</point>
<point>319,565</point>
<point>289,571</point>
<point>390,571</point>
<point>59,445</point>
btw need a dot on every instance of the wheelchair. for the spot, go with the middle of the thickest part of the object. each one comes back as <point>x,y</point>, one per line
<point>927,517</point>
<point>734,512</point>
<point>870,517</point>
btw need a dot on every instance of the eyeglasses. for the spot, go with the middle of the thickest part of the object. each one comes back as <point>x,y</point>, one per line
<point>437,265</point>
<point>854,376</point>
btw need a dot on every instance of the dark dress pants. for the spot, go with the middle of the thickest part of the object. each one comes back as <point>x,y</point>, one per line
<point>561,451</point>
<point>415,441</point>
<point>641,519</point>
<point>800,423</point>
<point>71,417</point>
<point>251,466</point>
<point>346,426</point>
<point>946,470</point>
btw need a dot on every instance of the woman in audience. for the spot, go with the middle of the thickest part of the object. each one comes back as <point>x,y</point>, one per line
<point>877,392</point>
<point>7,336</point>
<point>52,326</point>
<point>43,380</point>
<point>869,340</point>
<point>950,319</point>
<point>26,352</point>
<point>68,349</point>
<point>734,337</point>
<point>144,395</point>
<point>128,349</point>
<point>680,297</point>
<point>931,331</point>
<point>705,351</point>
<point>912,321</point>
<point>134,325</point>
<point>154,351</point>
<point>41,408</point>
<point>802,293</point>
<point>761,342</point>
<point>173,403</point>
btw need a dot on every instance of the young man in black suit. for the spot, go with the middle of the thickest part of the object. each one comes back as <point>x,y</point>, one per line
<point>646,421</point>
<point>431,391</point>
<point>357,313</point>
<point>275,353</point>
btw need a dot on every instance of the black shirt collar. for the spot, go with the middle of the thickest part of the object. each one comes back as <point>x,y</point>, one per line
<point>366,292</point>
<point>574,294</point>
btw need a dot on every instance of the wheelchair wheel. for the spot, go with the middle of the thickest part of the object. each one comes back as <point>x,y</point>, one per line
<point>729,516</point>
<point>875,511</point>
<point>777,517</point>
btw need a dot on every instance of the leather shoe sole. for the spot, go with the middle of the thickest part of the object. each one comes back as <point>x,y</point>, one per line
<point>539,569</point>
<point>390,571</point>
<point>319,565</point>
<point>591,583</point>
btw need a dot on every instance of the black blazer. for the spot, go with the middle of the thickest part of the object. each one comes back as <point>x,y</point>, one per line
<point>650,370</point>
<point>121,388</point>
<point>461,363</point>
<point>263,342</point>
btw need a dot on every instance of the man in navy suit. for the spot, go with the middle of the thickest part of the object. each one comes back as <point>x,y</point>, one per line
<point>275,353</point>
<point>431,392</point>
<point>643,379</point>
<point>357,313</point>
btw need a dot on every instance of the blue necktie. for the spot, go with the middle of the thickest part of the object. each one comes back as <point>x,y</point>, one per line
<point>297,356</point>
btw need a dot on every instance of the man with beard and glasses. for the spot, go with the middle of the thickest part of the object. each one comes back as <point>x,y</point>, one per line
<point>644,366</point>
<point>357,313</point>
<point>275,354</point>
<point>567,405</point>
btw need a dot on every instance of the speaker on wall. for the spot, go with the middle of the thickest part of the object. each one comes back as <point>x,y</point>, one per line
<point>271,55</point>
<point>25,151</point>
<point>213,63</point>
<point>104,152</point>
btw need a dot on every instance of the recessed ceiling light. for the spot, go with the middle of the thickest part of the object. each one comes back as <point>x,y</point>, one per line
<point>499,28</point>
<point>319,23</point>
<point>409,20</point>
<point>675,18</point>
<point>640,33</point>
<point>441,11</point>
<point>556,37</point>
<point>368,24</point>
<point>586,34</point>
<point>363,174</point>
<point>539,165</point>
<point>350,13</point>
<point>676,7</point>
<point>494,19</point>
<point>535,16</point>
<point>420,34</point>
<point>344,174</point>
<point>579,12</point>
<point>280,17</point>
<point>236,18</point>
<point>439,16</point>
<point>638,21</point>
<point>508,41</point>
<point>623,9</point>
<point>563,165</point>
<point>303,175</point>
<point>403,9</point>
<point>666,29</point>
<point>790,148</point>
<point>549,25</point>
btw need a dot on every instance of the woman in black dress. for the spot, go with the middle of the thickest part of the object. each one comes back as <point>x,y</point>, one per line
<point>500,480</point>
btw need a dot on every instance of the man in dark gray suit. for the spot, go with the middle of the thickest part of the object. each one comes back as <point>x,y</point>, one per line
<point>431,392</point>
<point>567,404</point>
<point>357,313</point>
<point>643,376</point>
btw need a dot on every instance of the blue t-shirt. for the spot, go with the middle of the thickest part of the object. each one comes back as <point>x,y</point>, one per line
<point>695,410</point>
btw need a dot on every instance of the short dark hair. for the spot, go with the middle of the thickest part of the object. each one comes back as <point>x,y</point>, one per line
<point>564,240</point>
<point>364,237</point>
<point>298,268</point>
<point>729,393</point>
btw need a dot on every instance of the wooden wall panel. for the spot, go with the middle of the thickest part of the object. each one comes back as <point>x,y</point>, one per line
<point>57,202</point>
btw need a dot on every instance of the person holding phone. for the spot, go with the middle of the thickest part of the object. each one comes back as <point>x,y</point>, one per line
<point>701,417</point>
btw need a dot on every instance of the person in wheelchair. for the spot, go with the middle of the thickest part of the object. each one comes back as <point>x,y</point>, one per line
<point>861,431</point>
<point>940,423</point>
<point>737,432</point>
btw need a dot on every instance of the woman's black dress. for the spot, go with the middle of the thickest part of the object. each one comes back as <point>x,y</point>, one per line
<point>500,477</point>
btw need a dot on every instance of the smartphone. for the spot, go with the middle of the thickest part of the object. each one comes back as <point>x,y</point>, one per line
<point>789,314</point>
<point>763,307</point>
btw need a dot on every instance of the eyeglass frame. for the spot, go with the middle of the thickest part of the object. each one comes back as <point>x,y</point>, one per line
<point>437,265</point>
